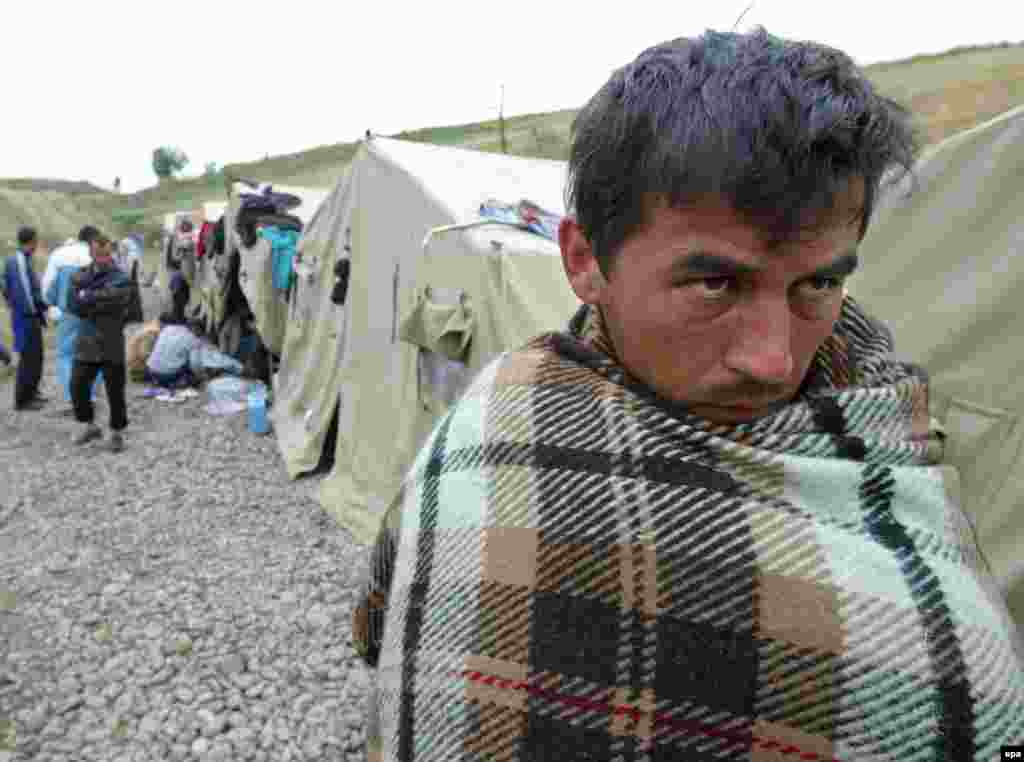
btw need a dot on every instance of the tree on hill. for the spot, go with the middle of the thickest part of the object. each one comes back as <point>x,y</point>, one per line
<point>168,160</point>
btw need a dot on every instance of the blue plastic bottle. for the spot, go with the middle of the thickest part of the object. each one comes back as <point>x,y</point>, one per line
<point>258,423</point>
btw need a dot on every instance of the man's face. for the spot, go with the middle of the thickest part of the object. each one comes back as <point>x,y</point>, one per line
<point>101,252</point>
<point>30,247</point>
<point>704,310</point>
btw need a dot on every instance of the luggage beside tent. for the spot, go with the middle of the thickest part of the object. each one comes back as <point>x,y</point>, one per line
<point>423,312</point>
<point>943,265</point>
<point>138,348</point>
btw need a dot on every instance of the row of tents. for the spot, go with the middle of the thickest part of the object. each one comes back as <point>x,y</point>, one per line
<point>434,293</point>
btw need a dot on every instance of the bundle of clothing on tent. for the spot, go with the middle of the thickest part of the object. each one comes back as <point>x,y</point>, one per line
<point>266,215</point>
<point>525,215</point>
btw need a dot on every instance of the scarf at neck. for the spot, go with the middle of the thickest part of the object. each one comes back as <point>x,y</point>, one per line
<point>576,568</point>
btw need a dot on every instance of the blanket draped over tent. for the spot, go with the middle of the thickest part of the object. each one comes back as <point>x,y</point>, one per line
<point>577,569</point>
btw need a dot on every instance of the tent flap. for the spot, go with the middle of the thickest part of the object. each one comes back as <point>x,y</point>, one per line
<point>445,328</point>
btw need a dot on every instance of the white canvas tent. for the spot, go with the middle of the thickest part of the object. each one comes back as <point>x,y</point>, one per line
<point>943,265</point>
<point>471,292</point>
<point>213,210</point>
<point>269,307</point>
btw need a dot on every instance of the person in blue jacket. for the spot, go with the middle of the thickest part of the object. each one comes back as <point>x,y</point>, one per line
<point>28,319</point>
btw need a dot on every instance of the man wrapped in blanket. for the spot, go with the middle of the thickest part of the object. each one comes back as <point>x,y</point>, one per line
<point>710,520</point>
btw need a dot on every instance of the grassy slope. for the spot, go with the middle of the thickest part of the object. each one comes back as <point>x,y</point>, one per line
<point>949,92</point>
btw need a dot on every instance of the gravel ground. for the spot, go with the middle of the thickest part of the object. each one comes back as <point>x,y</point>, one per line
<point>181,600</point>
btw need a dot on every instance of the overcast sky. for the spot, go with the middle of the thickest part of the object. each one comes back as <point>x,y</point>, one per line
<point>92,87</point>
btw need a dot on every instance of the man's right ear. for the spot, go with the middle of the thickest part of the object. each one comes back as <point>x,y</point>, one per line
<point>578,260</point>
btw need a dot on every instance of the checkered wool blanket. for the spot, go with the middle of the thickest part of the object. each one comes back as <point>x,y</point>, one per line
<point>576,569</point>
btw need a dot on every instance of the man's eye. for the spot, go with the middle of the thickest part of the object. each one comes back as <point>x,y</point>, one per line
<point>715,286</point>
<point>818,287</point>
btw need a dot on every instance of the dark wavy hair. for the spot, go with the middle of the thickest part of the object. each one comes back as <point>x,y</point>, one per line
<point>26,235</point>
<point>88,233</point>
<point>777,128</point>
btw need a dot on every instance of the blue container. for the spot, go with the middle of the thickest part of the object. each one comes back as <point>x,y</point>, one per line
<point>258,421</point>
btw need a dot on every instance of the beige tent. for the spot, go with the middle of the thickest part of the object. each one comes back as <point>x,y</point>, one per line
<point>944,266</point>
<point>269,307</point>
<point>430,301</point>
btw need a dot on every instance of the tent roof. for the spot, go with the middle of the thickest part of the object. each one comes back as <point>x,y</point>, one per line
<point>460,179</point>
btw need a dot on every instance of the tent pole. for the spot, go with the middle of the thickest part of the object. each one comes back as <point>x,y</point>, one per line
<point>501,120</point>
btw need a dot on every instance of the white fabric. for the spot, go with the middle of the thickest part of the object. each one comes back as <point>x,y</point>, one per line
<point>73,254</point>
<point>213,210</point>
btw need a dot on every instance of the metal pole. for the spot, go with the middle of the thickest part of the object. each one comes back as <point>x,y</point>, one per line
<point>501,120</point>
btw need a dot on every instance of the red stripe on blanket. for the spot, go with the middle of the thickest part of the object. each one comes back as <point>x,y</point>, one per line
<point>686,725</point>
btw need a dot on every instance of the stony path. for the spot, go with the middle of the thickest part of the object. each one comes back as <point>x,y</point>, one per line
<point>181,600</point>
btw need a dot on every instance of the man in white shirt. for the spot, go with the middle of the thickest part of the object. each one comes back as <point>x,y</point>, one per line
<point>63,263</point>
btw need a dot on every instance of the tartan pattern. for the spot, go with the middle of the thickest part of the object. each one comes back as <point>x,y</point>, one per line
<point>575,569</point>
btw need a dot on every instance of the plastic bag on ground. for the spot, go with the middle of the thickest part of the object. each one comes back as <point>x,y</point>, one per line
<point>230,395</point>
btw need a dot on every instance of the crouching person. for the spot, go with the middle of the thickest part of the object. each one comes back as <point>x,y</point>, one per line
<point>168,363</point>
<point>102,296</point>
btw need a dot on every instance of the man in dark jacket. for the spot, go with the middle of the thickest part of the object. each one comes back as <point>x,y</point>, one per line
<point>101,295</point>
<point>20,286</point>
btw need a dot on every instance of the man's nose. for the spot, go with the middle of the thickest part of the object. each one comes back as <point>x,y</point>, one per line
<point>761,347</point>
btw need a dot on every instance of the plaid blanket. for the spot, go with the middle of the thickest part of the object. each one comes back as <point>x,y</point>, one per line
<point>576,569</point>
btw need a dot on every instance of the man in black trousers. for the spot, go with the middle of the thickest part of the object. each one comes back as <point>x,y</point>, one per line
<point>102,296</point>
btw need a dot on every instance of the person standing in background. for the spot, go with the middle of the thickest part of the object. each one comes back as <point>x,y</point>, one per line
<point>28,319</point>
<point>63,263</point>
